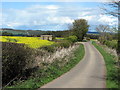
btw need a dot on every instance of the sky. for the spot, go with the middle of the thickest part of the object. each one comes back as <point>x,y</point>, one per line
<point>52,15</point>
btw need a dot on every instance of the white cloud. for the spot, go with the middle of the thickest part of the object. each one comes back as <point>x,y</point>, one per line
<point>52,16</point>
<point>89,18</point>
<point>29,16</point>
<point>60,20</point>
<point>107,19</point>
<point>35,15</point>
<point>43,7</point>
<point>84,13</point>
<point>56,1</point>
<point>52,7</point>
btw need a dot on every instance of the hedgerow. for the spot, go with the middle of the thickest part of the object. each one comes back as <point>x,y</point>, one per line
<point>112,44</point>
<point>72,38</point>
<point>50,71</point>
<point>15,59</point>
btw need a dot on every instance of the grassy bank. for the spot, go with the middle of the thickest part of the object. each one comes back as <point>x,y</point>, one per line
<point>112,72</point>
<point>45,75</point>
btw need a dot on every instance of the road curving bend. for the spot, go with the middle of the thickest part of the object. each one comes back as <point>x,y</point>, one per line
<point>88,73</point>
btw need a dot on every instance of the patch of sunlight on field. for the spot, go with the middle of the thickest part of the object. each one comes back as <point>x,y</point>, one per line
<point>59,38</point>
<point>33,42</point>
<point>93,39</point>
<point>3,39</point>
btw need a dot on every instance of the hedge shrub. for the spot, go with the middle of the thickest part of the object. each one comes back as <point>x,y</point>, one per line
<point>72,38</point>
<point>63,43</point>
<point>112,44</point>
<point>50,48</point>
<point>15,58</point>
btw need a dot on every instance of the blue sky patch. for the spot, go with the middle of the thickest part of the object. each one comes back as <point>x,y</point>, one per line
<point>52,15</point>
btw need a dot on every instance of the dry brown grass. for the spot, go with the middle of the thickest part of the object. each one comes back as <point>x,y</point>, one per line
<point>59,54</point>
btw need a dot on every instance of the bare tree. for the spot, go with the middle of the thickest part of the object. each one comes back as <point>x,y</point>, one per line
<point>113,8</point>
<point>113,29</point>
<point>102,29</point>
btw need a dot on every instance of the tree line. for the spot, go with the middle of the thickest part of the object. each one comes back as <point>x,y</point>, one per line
<point>79,28</point>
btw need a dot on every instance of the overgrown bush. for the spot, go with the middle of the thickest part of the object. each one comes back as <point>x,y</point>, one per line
<point>50,48</point>
<point>87,38</point>
<point>64,43</point>
<point>72,38</point>
<point>101,39</point>
<point>15,58</point>
<point>50,71</point>
<point>108,41</point>
<point>93,36</point>
<point>60,44</point>
<point>112,44</point>
<point>109,37</point>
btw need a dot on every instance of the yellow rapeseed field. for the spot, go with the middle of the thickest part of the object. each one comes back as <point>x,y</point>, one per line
<point>33,42</point>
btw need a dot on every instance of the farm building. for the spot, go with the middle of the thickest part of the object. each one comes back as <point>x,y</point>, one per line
<point>47,37</point>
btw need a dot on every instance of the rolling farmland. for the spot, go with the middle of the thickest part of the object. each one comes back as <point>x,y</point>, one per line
<point>33,42</point>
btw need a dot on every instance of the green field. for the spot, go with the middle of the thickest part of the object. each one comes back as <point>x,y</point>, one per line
<point>59,38</point>
<point>33,42</point>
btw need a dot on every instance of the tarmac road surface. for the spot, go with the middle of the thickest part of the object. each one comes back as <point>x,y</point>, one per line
<point>88,73</point>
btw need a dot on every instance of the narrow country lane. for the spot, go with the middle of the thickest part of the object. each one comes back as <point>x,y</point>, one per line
<point>88,73</point>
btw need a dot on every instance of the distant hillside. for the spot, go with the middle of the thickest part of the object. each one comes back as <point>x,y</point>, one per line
<point>35,32</point>
<point>64,33</point>
<point>90,32</point>
<point>23,32</point>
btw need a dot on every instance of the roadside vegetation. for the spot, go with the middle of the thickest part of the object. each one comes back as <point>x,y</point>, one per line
<point>107,45</point>
<point>110,43</point>
<point>15,60</point>
<point>20,61</point>
<point>30,62</point>
<point>42,64</point>
<point>50,71</point>
<point>111,66</point>
<point>108,36</point>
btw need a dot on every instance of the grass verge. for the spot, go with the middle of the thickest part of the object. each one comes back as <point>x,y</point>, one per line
<point>53,71</point>
<point>112,76</point>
